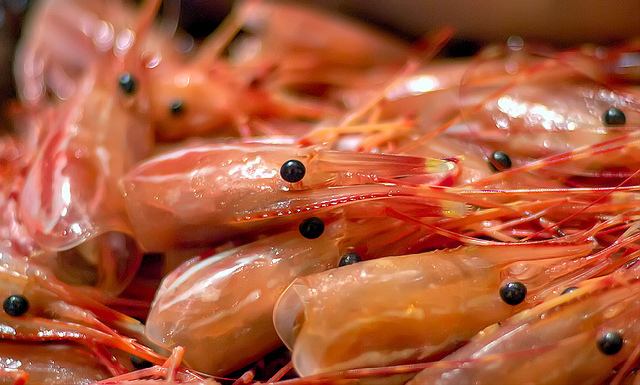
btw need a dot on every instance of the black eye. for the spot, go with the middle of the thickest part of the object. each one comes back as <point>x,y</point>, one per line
<point>311,228</point>
<point>349,259</point>
<point>614,117</point>
<point>513,293</point>
<point>569,289</point>
<point>176,108</point>
<point>292,171</point>
<point>610,343</point>
<point>16,305</point>
<point>500,161</point>
<point>127,83</point>
<point>139,363</point>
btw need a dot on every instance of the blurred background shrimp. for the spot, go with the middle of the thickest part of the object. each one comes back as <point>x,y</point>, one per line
<point>70,199</point>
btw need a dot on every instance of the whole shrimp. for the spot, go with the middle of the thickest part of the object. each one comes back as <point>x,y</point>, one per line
<point>416,307</point>
<point>39,310</point>
<point>70,197</point>
<point>223,304</point>
<point>579,337</point>
<point>204,194</point>
<point>63,39</point>
<point>270,75</point>
<point>412,308</point>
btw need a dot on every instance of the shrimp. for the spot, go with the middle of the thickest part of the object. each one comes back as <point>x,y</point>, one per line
<point>223,304</point>
<point>70,196</point>
<point>204,194</point>
<point>530,116</point>
<point>206,94</point>
<point>417,307</point>
<point>63,39</point>
<point>39,309</point>
<point>579,337</point>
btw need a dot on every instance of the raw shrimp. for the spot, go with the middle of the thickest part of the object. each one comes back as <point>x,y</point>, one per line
<point>205,194</point>
<point>292,49</point>
<point>39,309</point>
<point>417,307</point>
<point>63,39</point>
<point>71,197</point>
<point>579,337</point>
<point>531,115</point>
<point>220,308</point>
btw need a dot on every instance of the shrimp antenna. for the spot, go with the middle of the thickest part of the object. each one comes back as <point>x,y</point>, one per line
<point>212,47</point>
<point>606,194</point>
<point>424,50</point>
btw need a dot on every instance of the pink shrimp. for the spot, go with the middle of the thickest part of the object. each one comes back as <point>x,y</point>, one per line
<point>39,309</point>
<point>226,300</point>
<point>205,194</point>
<point>70,196</point>
<point>416,307</point>
<point>206,94</point>
<point>63,39</point>
<point>579,337</point>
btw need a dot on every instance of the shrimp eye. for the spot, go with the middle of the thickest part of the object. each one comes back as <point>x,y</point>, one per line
<point>614,117</point>
<point>349,259</point>
<point>16,305</point>
<point>176,108</point>
<point>127,83</point>
<point>569,290</point>
<point>292,171</point>
<point>139,363</point>
<point>500,161</point>
<point>311,228</point>
<point>513,293</point>
<point>610,343</point>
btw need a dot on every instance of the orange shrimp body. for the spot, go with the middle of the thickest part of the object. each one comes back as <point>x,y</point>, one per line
<point>293,50</point>
<point>63,39</point>
<point>204,194</point>
<point>410,308</point>
<point>71,195</point>
<point>58,313</point>
<point>556,342</point>
<point>223,304</point>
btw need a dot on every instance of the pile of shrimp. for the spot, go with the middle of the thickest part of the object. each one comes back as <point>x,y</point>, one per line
<point>177,212</point>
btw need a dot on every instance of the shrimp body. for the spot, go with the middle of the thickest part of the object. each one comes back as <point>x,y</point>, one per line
<point>71,193</point>
<point>63,39</point>
<point>202,195</point>
<point>61,315</point>
<point>289,48</point>
<point>555,342</point>
<point>223,304</point>
<point>408,308</point>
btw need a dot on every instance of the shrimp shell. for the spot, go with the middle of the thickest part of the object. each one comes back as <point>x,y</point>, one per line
<point>404,309</point>
<point>553,343</point>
